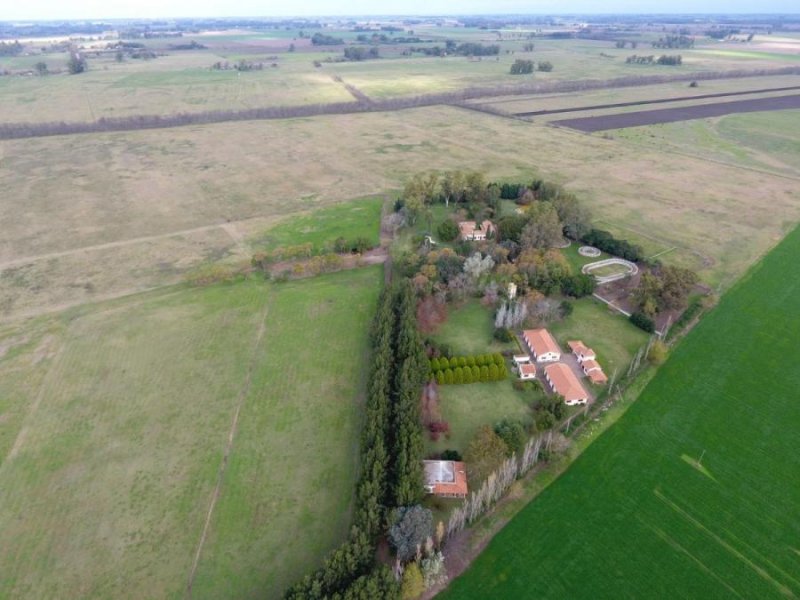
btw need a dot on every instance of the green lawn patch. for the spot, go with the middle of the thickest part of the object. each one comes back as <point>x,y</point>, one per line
<point>639,512</point>
<point>468,407</point>
<point>608,333</point>
<point>349,220</point>
<point>468,330</point>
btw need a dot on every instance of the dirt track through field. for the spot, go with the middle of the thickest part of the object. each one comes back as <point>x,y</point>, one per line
<point>685,113</point>
<point>227,452</point>
<point>555,111</point>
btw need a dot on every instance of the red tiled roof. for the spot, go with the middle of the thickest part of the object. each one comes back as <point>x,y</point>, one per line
<point>541,342</point>
<point>446,477</point>
<point>527,369</point>
<point>578,347</point>
<point>591,365</point>
<point>565,383</point>
<point>598,377</point>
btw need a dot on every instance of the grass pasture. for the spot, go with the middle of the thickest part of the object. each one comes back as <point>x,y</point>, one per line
<point>350,220</point>
<point>639,513</point>
<point>115,419</point>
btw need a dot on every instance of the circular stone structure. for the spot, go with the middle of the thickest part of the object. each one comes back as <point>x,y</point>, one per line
<point>626,269</point>
<point>589,251</point>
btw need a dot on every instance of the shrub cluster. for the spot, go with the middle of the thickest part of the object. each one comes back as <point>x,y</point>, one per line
<point>643,322</point>
<point>611,245</point>
<point>468,369</point>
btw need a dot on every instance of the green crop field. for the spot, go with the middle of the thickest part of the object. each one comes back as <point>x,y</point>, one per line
<point>114,420</point>
<point>639,514</point>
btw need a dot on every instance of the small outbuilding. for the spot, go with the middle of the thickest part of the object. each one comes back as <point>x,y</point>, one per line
<point>527,371</point>
<point>581,351</point>
<point>445,478</point>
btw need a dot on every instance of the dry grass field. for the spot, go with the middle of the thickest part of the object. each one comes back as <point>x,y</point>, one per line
<point>100,215</point>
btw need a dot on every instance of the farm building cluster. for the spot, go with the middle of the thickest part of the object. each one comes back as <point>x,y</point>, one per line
<point>559,375</point>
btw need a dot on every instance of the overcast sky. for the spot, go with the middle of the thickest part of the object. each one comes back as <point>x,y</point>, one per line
<point>97,9</point>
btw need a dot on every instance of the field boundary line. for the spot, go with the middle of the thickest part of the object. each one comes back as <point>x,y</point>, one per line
<point>122,243</point>
<point>243,392</point>
<point>34,407</point>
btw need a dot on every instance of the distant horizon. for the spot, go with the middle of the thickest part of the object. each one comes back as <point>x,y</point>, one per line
<point>100,10</point>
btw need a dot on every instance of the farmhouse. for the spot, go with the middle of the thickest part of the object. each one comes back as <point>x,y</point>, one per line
<point>472,232</point>
<point>445,478</point>
<point>566,384</point>
<point>527,371</point>
<point>543,345</point>
<point>581,351</point>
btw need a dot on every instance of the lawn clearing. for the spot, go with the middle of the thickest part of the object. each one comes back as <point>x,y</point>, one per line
<point>117,416</point>
<point>689,491</point>
<point>468,330</point>
<point>609,334</point>
<point>349,220</point>
<point>468,407</point>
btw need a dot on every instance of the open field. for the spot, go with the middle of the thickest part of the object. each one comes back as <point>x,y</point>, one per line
<point>644,93</point>
<point>757,140</point>
<point>196,192</point>
<point>657,101</point>
<point>114,420</point>
<point>182,80</point>
<point>179,82</point>
<point>671,115</point>
<point>639,512</point>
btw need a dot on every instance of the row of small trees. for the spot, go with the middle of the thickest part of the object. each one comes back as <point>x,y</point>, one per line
<point>441,363</point>
<point>474,374</point>
<point>391,454</point>
<point>498,482</point>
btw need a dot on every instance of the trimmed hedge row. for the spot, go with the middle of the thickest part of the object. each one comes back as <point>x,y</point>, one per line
<point>468,369</point>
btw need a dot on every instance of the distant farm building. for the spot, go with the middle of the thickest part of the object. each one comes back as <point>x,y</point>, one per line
<point>527,371</point>
<point>472,232</point>
<point>581,351</point>
<point>445,478</point>
<point>566,384</point>
<point>542,344</point>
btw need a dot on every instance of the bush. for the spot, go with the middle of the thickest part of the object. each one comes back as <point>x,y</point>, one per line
<point>498,359</point>
<point>458,375</point>
<point>462,361</point>
<point>435,364</point>
<point>566,308</point>
<point>476,373</point>
<point>447,230</point>
<point>502,334</point>
<point>440,377</point>
<point>468,375</point>
<point>448,377</point>
<point>470,361</point>
<point>658,353</point>
<point>444,363</point>
<point>484,373</point>
<point>494,372</point>
<point>451,455</point>
<point>643,322</point>
<point>579,285</point>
